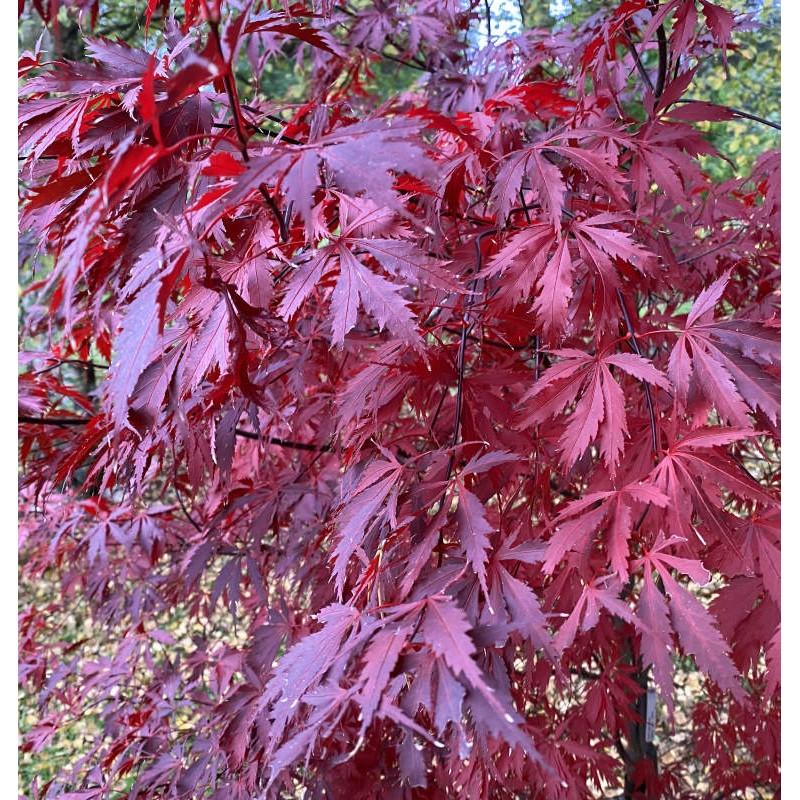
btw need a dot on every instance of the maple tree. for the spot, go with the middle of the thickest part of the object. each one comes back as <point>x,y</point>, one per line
<point>430,413</point>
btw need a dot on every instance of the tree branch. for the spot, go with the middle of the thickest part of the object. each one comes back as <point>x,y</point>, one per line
<point>708,252</point>
<point>397,59</point>
<point>185,510</point>
<point>663,56</point>
<point>230,88</point>
<point>462,349</point>
<point>61,422</point>
<point>90,365</point>
<point>76,421</point>
<point>636,59</point>
<point>491,342</point>
<point>273,206</point>
<point>262,131</point>
<point>646,386</point>
<point>325,448</point>
<point>737,112</point>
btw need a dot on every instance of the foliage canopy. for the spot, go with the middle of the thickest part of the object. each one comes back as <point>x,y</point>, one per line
<point>427,406</point>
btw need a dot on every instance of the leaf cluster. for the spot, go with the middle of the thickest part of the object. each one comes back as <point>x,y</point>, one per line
<point>444,399</point>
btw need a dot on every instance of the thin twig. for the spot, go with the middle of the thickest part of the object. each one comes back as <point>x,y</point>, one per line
<point>730,241</point>
<point>397,59</point>
<point>735,111</point>
<point>524,207</point>
<point>435,417</point>
<point>462,349</point>
<point>491,342</point>
<point>663,56</point>
<point>282,442</point>
<point>230,88</point>
<point>59,421</point>
<point>74,421</point>
<point>262,131</point>
<point>636,59</point>
<point>186,513</point>
<point>414,63</point>
<point>273,206</point>
<point>646,386</point>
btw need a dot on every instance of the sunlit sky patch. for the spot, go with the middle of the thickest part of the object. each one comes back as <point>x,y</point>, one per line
<point>506,19</point>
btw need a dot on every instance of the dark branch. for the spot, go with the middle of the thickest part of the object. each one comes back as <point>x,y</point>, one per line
<point>230,88</point>
<point>61,422</point>
<point>746,115</point>
<point>636,59</point>
<point>397,59</point>
<point>262,131</point>
<point>73,421</point>
<point>708,252</point>
<point>414,63</point>
<point>735,111</point>
<point>462,349</point>
<point>73,362</point>
<point>491,342</point>
<point>646,386</point>
<point>663,56</point>
<point>284,231</point>
<point>185,510</point>
<point>325,448</point>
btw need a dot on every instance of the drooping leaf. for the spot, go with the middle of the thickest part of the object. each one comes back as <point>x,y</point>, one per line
<point>473,529</point>
<point>656,638</point>
<point>141,326</point>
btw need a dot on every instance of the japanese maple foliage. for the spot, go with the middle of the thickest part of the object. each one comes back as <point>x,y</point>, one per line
<point>425,419</point>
